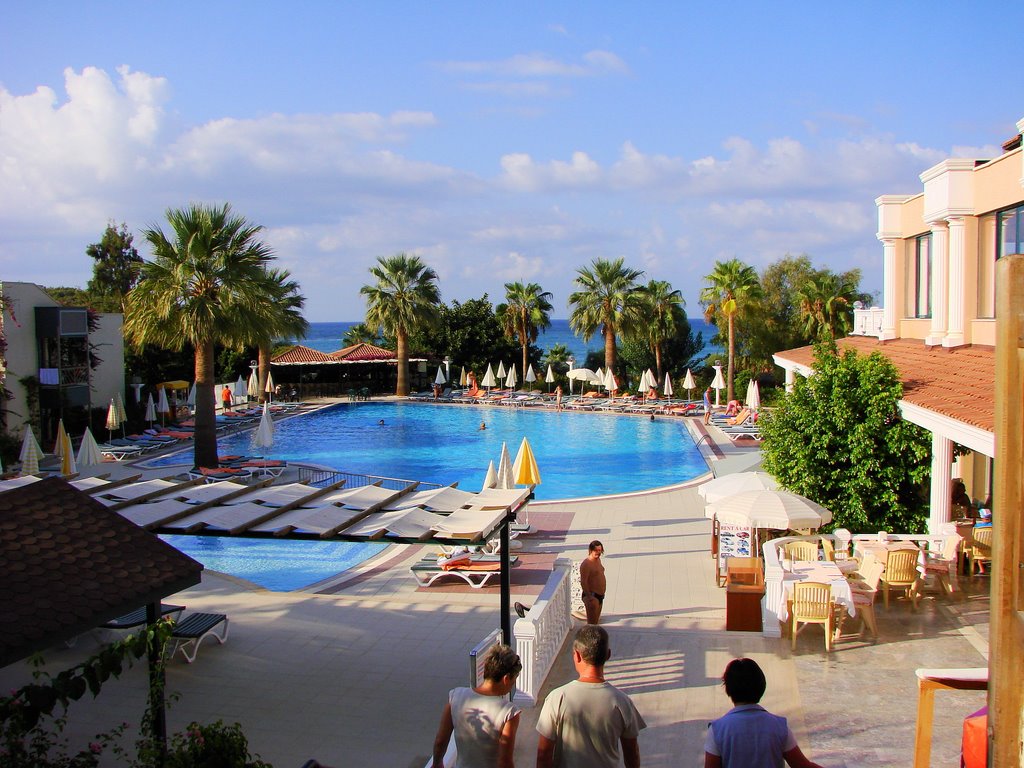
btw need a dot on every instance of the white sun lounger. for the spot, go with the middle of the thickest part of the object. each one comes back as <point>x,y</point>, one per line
<point>426,572</point>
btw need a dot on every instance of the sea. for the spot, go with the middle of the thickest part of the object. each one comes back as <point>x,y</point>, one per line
<point>326,337</point>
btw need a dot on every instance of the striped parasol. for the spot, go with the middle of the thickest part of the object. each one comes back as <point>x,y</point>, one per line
<point>30,454</point>
<point>112,420</point>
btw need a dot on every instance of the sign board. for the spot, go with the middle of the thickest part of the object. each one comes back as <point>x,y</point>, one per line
<point>733,541</point>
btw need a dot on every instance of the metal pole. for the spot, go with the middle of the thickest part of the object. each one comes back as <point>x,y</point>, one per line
<point>506,582</point>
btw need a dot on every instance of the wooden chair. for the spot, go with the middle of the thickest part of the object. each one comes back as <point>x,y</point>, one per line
<point>812,604</point>
<point>901,574</point>
<point>981,548</point>
<point>864,593</point>
<point>801,550</point>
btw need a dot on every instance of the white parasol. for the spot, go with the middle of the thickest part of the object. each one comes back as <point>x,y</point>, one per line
<point>488,379</point>
<point>269,389</point>
<point>549,377</point>
<point>252,387</point>
<point>505,477</point>
<point>491,477</point>
<point>511,379</point>
<point>776,510</point>
<point>112,421</point>
<point>241,388</point>
<point>667,390</point>
<point>150,409</point>
<point>30,454</point>
<point>263,437</point>
<point>162,406</point>
<point>729,485</point>
<point>609,381</point>
<point>689,384</point>
<point>502,371</point>
<point>122,414</point>
<point>440,379</point>
<point>753,395</point>
<point>191,401</point>
<point>530,376</point>
<point>89,451</point>
<point>718,383</point>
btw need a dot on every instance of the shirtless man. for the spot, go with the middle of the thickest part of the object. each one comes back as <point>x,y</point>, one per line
<point>592,582</point>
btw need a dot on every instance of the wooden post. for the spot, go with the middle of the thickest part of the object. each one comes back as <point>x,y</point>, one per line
<point>1006,694</point>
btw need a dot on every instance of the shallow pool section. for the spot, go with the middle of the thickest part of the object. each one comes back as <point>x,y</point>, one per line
<point>579,454</point>
<point>275,564</point>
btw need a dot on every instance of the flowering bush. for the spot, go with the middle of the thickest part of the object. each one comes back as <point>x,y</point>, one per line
<point>211,746</point>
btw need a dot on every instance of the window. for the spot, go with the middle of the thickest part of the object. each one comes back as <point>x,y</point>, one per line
<point>987,266</point>
<point>919,277</point>
<point>1010,226</point>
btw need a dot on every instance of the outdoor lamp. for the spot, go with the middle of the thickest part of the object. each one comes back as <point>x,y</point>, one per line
<point>447,364</point>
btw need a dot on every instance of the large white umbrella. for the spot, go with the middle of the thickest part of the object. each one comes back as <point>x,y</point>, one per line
<point>191,401</point>
<point>584,375</point>
<point>718,383</point>
<point>491,477</point>
<point>511,379</point>
<point>505,477</point>
<point>67,460</point>
<point>609,381</point>
<point>501,369</point>
<point>667,390</point>
<point>753,395</point>
<point>776,510</point>
<point>263,437</point>
<point>269,388</point>
<point>112,420</point>
<point>549,377</point>
<point>530,376</point>
<point>150,409</point>
<point>689,384</point>
<point>524,468</point>
<point>440,379</point>
<point>643,386</point>
<point>162,406</point>
<point>488,379</point>
<point>252,387</point>
<point>729,485</point>
<point>30,454</point>
<point>241,389</point>
<point>89,451</point>
<point>600,374</point>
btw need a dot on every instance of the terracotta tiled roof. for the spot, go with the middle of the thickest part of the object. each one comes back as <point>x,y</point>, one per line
<point>361,353</point>
<point>301,355</point>
<point>958,383</point>
<point>69,564</point>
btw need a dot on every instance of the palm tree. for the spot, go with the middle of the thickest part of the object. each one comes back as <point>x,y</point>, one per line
<point>527,311</point>
<point>360,333</point>
<point>608,300</point>
<point>732,287</point>
<point>663,310</point>
<point>403,301</point>
<point>826,304</point>
<point>282,318</point>
<point>206,285</point>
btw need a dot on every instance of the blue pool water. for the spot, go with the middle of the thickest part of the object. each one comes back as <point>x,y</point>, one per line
<point>278,565</point>
<point>579,454</point>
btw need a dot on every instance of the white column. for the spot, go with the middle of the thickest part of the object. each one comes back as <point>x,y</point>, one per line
<point>790,379</point>
<point>940,282</point>
<point>956,309</point>
<point>942,486</point>
<point>888,289</point>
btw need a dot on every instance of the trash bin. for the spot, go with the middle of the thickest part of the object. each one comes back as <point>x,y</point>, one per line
<point>744,588</point>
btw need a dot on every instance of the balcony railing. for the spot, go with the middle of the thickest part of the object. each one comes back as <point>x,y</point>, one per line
<point>867,322</point>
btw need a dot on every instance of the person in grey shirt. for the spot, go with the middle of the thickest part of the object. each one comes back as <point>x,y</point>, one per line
<point>589,723</point>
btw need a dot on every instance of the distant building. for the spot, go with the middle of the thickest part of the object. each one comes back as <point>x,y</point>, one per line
<point>937,319</point>
<point>56,346</point>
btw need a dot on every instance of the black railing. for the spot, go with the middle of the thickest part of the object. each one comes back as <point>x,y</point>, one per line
<point>323,477</point>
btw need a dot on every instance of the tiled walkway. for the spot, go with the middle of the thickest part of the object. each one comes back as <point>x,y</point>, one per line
<point>357,674</point>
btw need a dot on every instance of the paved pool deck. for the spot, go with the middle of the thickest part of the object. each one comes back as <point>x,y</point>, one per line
<point>356,672</point>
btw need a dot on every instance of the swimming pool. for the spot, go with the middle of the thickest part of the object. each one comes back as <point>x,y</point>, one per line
<point>579,454</point>
<point>275,564</point>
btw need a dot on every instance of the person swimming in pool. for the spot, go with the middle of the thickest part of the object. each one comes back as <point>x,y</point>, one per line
<point>483,425</point>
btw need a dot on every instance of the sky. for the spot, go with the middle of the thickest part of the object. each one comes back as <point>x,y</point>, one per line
<point>499,142</point>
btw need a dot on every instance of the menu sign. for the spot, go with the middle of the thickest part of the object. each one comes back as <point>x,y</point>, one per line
<point>733,541</point>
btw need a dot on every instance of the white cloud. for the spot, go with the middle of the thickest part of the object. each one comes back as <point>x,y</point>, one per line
<point>596,62</point>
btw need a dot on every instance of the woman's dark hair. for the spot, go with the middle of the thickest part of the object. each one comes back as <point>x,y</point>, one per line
<point>744,681</point>
<point>501,660</point>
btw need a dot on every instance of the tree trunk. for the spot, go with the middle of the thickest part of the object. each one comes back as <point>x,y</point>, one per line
<point>402,387</point>
<point>732,355</point>
<point>657,361</point>
<point>264,370</point>
<point>609,347</point>
<point>526,347</point>
<point>206,403</point>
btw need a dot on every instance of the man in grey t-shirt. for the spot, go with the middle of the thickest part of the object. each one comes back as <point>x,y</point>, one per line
<point>585,723</point>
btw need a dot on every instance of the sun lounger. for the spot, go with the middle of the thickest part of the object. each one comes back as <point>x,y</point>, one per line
<point>193,629</point>
<point>137,617</point>
<point>476,572</point>
<point>265,467</point>
<point>120,452</point>
<point>221,473</point>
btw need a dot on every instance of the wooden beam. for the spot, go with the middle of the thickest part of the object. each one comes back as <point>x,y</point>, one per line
<point>1006,636</point>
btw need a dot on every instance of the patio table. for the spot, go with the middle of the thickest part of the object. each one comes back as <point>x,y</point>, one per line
<point>821,571</point>
<point>881,550</point>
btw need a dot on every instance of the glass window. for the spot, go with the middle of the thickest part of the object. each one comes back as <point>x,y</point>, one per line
<point>986,266</point>
<point>922,306</point>
<point>1011,232</point>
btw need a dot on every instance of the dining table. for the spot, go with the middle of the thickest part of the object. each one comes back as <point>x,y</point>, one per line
<point>823,572</point>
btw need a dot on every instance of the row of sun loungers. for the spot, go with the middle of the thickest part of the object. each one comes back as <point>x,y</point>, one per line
<point>588,402</point>
<point>188,632</point>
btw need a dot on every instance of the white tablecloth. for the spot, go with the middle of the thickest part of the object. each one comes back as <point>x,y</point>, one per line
<point>820,571</point>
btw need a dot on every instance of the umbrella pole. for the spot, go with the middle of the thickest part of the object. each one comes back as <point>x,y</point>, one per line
<point>506,583</point>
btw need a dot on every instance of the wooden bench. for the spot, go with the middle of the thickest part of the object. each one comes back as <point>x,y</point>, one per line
<point>190,631</point>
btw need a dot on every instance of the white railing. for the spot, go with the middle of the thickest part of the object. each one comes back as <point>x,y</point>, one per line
<point>867,322</point>
<point>538,638</point>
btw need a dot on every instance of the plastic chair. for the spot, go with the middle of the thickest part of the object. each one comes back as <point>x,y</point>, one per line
<point>801,550</point>
<point>864,593</point>
<point>944,564</point>
<point>901,574</point>
<point>812,604</point>
<point>981,548</point>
